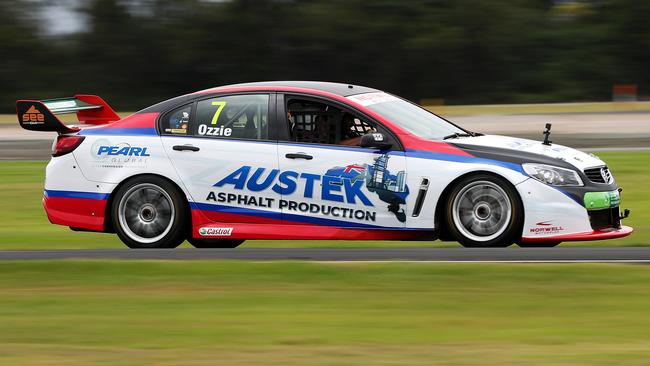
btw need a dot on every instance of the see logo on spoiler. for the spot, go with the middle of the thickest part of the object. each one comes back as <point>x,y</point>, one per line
<point>33,116</point>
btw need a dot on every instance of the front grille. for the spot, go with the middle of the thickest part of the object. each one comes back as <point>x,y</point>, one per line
<point>599,175</point>
<point>605,219</point>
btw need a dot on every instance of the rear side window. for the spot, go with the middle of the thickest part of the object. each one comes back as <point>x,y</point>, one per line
<point>234,116</point>
<point>177,122</point>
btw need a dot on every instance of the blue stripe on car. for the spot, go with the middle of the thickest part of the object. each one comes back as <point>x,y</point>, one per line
<point>119,131</point>
<point>463,159</point>
<point>75,194</point>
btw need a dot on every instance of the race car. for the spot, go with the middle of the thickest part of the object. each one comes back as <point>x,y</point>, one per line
<point>302,160</point>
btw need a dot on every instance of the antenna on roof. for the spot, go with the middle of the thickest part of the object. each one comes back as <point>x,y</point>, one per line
<point>547,133</point>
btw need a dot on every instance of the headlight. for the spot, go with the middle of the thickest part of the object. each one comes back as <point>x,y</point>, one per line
<point>553,175</point>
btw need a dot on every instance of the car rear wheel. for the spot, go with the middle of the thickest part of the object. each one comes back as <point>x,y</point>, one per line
<point>484,211</point>
<point>149,212</point>
<point>215,243</point>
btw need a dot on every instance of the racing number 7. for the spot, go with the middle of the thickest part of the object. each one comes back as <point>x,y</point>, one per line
<point>220,107</point>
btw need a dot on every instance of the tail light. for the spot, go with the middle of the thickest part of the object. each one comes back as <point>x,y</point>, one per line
<point>65,144</point>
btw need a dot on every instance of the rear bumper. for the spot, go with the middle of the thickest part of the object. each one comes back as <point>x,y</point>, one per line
<point>602,234</point>
<point>72,200</point>
<point>67,210</point>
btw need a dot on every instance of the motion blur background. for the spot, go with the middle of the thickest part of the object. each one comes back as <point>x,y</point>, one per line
<point>493,66</point>
<point>499,67</point>
<point>137,52</point>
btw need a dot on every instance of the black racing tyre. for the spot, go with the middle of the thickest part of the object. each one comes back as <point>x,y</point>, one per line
<point>484,210</point>
<point>215,243</point>
<point>149,212</point>
<point>543,244</point>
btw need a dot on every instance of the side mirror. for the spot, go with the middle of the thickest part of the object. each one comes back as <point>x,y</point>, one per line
<point>375,140</point>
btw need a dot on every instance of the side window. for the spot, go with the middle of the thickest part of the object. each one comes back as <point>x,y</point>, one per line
<point>177,122</point>
<point>322,123</point>
<point>234,116</point>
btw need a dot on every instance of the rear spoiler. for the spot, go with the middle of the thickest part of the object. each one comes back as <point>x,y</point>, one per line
<point>40,115</point>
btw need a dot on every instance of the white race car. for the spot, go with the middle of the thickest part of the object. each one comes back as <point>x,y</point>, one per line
<point>311,160</point>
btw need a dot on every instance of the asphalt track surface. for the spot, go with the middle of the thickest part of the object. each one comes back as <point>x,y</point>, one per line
<point>513,254</point>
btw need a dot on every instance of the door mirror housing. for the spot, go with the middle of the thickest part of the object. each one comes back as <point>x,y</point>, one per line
<point>375,140</point>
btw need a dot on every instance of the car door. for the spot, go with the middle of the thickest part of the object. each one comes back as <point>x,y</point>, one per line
<point>325,179</point>
<point>221,148</point>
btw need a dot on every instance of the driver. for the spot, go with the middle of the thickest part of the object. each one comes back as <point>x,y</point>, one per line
<point>350,131</point>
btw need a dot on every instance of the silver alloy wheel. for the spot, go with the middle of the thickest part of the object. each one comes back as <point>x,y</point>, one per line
<point>146,213</point>
<point>481,211</point>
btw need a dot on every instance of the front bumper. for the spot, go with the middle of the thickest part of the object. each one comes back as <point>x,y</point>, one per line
<point>553,214</point>
<point>611,233</point>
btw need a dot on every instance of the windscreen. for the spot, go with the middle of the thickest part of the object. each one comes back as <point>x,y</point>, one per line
<point>408,116</point>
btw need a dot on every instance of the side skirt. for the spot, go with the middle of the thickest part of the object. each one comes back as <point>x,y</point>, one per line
<point>269,229</point>
<point>302,232</point>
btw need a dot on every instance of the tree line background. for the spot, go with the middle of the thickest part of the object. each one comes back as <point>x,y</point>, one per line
<point>138,52</point>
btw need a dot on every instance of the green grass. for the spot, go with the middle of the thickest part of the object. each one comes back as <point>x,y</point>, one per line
<point>23,224</point>
<point>205,313</point>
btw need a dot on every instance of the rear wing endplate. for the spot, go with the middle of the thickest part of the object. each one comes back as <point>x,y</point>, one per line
<point>40,115</point>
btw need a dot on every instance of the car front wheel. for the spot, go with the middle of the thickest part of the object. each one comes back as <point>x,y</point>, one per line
<point>149,212</point>
<point>484,211</point>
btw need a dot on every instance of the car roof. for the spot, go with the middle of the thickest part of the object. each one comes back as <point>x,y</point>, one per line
<point>341,89</point>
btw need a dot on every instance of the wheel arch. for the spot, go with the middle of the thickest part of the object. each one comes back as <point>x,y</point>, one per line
<point>108,224</point>
<point>439,221</point>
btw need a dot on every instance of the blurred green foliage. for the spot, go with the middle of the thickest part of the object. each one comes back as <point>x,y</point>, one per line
<point>135,53</point>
